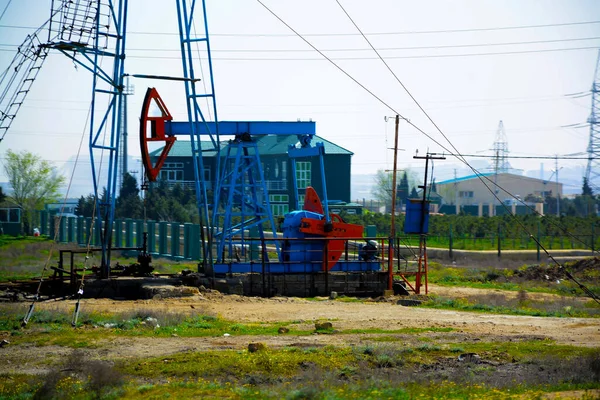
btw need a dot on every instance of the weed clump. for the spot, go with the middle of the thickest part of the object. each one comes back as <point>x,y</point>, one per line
<point>79,375</point>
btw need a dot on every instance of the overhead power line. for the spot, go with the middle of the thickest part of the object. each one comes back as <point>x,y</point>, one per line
<point>499,28</point>
<point>449,46</point>
<point>528,157</point>
<point>461,157</point>
<point>369,58</point>
<point>6,8</point>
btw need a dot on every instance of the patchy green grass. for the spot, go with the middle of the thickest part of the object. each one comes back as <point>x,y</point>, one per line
<point>496,303</point>
<point>377,371</point>
<point>19,242</point>
<point>25,257</point>
<point>507,279</point>
<point>53,327</point>
<point>269,363</point>
<point>518,369</point>
<point>411,331</point>
<point>374,390</point>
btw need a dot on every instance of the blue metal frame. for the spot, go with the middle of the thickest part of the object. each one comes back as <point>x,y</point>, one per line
<point>295,268</point>
<point>240,188</point>
<point>237,128</point>
<point>106,82</point>
<point>242,193</point>
<point>186,13</point>
<point>306,151</point>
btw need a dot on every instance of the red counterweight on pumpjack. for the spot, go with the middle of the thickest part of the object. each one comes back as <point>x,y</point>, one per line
<point>310,223</point>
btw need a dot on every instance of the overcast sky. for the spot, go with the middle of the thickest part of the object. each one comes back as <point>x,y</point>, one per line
<point>470,64</point>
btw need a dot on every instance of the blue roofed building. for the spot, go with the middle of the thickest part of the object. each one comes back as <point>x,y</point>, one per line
<point>490,193</point>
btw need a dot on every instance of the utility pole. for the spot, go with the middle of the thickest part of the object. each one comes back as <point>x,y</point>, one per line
<point>456,205</point>
<point>393,223</point>
<point>422,268</point>
<point>557,191</point>
<point>428,156</point>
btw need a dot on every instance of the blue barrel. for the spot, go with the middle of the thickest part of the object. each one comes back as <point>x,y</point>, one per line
<point>414,212</point>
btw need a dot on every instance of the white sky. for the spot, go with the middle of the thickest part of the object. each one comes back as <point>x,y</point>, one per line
<point>276,76</point>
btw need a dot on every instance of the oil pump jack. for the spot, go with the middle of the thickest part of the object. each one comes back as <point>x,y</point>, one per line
<point>88,31</point>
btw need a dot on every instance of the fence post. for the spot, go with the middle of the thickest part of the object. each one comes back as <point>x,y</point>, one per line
<point>537,244</point>
<point>195,242</point>
<point>499,240</point>
<point>43,222</point>
<point>151,237</point>
<point>71,229</point>
<point>128,232</point>
<point>162,237</point>
<point>118,224</point>
<point>139,233</point>
<point>89,235</point>
<point>80,239</point>
<point>187,248</point>
<point>175,232</point>
<point>97,231</point>
<point>450,243</point>
<point>593,236</point>
<point>62,230</point>
<point>52,226</point>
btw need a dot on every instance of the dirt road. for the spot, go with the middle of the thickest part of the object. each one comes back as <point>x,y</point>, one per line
<point>366,315</point>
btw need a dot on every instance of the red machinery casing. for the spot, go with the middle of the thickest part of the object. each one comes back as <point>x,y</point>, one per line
<point>338,229</point>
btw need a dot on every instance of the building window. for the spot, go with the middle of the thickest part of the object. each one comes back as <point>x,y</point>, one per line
<point>10,215</point>
<point>172,165</point>
<point>171,175</point>
<point>171,172</point>
<point>279,198</point>
<point>301,200</point>
<point>465,194</point>
<point>279,209</point>
<point>303,174</point>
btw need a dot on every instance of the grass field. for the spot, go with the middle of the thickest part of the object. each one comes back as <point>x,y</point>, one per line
<point>159,349</point>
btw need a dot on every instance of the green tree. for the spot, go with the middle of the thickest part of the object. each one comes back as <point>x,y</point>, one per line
<point>584,205</point>
<point>2,195</point>
<point>35,182</point>
<point>586,189</point>
<point>166,204</point>
<point>129,204</point>
<point>85,206</point>
<point>413,193</point>
<point>403,189</point>
<point>382,189</point>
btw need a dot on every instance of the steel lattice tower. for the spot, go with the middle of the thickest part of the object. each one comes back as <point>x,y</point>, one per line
<point>592,172</point>
<point>500,149</point>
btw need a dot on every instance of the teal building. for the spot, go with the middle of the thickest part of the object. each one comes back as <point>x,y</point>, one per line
<point>276,165</point>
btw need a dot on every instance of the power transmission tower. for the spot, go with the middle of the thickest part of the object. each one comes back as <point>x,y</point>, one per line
<point>501,164</point>
<point>592,172</point>
<point>500,149</point>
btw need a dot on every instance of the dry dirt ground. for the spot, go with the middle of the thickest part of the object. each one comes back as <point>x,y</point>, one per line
<point>467,326</point>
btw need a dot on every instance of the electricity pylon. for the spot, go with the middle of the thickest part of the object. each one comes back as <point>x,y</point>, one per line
<point>592,172</point>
